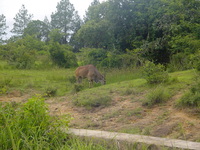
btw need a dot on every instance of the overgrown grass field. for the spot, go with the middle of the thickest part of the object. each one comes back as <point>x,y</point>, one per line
<point>59,80</point>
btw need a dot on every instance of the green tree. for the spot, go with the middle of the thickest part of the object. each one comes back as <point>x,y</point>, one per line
<point>3,28</point>
<point>66,19</point>
<point>92,12</point>
<point>39,29</point>
<point>22,19</point>
<point>96,34</point>
<point>56,35</point>
<point>62,55</point>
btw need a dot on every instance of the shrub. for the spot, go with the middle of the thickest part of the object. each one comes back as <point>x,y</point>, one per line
<point>51,91</point>
<point>179,61</point>
<point>159,95</point>
<point>195,59</point>
<point>62,55</point>
<point>92,56</point>
<point>4,85</point>
<point>29,126</point>
<point>191,98</point>
<point>21,58</point>
<point>155,73</point>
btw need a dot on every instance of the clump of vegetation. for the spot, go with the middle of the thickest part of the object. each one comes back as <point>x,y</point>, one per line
<point>29,126</point>
<point>51,91</point>
<point>4,84</point>
<point>191,98</point>
<point>159,95</point>
<point>155,74</point>
<point>129,91</point>
<point>90,101</point>
<point>77,88</point>
<point>72,79</point>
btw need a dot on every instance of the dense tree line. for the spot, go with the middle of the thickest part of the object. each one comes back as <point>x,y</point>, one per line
<point>114,33</point>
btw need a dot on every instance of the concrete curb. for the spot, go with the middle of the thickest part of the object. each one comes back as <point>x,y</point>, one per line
<point>136,138</point>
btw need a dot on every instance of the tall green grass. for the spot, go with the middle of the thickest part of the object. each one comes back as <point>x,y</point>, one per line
<point>39,80</point>
<point>29,127</point>
<point>59,80</point>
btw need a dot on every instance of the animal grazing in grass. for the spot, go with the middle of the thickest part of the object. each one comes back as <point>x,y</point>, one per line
<point>91,73</point>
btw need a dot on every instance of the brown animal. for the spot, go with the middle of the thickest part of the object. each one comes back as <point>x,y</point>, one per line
<point>91,73</point>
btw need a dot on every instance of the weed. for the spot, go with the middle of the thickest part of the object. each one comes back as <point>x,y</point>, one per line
<point>159,95</point>
<point>136,112</point>
<point>155,73</point>
<point>77,88</point>
<point>111,115</point>
<point>91,101</point>
<point>129,91</point>
<point>50,91</point>
<point>29,126</point>
<point>192,97</point>
<point>71,79</point>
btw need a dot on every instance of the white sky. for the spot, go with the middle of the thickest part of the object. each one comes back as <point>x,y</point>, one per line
<point>39,8</point>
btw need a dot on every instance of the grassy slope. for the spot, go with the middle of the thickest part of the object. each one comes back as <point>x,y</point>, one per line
<point>126,85</point>
<point>126,112</point>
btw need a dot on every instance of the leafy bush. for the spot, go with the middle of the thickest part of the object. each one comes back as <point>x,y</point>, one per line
<point>22,58</point>
<point>191,98</point>
<point>113,61</point>
<point>30,126</point>
<point>155,73</point>
<point>51,91</point>
<point>62,55</point>
<point>4,85</point>
<point>92,56</point>
<point>159,95</point>
<point>195,59</point>
<point>179,61</point>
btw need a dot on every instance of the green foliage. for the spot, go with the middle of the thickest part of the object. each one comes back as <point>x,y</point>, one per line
<point>38,28</point>
<point>56,35</point>
<point>87,35</point>
<point>195,60</point>
<point>50,91</point>
<point>92,100</point>
<point>22,19</point>
<point>77,88</point>
<point>4,85</point>
<point>92,56</point>
<point>72,79</point>
<point>65,19</point>
<point>21,58</point>
<point>30,126</point>
<point>155,73</point>
<point>192,97</point>
<point>3,28</point>
<point>157,96</point>
<point>62,55</point>
<point>23,53</point>
<point>179,61</point>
